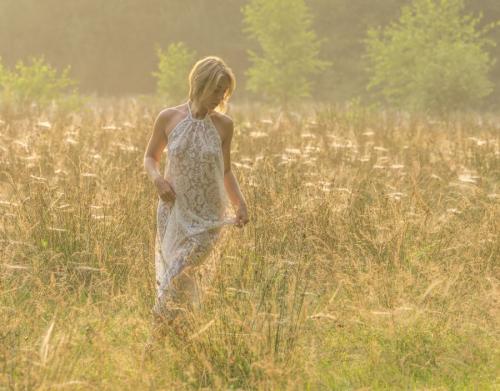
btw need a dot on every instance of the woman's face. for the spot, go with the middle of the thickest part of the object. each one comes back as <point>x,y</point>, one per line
<point>213,99</point>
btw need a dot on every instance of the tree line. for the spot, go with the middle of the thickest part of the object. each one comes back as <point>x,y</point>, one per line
<point>112,46</point>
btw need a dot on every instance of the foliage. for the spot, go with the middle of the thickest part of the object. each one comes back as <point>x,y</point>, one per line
<point>343,25</point>
<point>289,49</point>
<point>173,70</point>
<point>35,85</point>
<point>433,58</point>
<point>72,33</point>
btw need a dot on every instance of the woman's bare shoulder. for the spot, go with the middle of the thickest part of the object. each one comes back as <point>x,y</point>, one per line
<point>171,116</point>
<point>223,118</point>
<point>223,122</point>
<point>172,113</point>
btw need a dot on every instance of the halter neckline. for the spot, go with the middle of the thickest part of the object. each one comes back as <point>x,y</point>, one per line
<point>191,114</point>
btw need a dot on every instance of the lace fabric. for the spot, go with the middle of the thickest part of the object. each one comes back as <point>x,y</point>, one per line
<point>188,228</point>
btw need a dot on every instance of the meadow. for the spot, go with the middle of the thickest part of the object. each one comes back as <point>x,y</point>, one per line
<point>370,261</point>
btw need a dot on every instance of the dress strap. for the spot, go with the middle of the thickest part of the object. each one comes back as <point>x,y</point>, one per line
<point>190,115</point>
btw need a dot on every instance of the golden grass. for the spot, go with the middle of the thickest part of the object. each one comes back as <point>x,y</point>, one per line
<point>371,259</point>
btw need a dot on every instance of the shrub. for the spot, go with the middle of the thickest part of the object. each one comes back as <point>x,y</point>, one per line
<point>35,86</point>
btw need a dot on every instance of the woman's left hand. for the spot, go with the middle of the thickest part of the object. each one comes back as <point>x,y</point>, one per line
<point>241,216</point>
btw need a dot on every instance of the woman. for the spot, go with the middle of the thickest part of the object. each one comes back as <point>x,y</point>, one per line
<point>193,194</point>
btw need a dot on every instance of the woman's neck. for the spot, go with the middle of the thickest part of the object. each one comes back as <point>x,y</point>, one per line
<point>198,111</point>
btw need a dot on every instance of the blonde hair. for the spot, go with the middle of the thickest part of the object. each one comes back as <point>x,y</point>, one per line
<point>206,75</point>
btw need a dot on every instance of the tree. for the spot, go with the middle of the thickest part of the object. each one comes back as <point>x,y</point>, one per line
<point>344,23</point>
<point>173,71</point>
<point>432,59</point>
<point>289,49</point>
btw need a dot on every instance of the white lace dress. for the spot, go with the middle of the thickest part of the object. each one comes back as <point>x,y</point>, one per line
<point>188,228</point>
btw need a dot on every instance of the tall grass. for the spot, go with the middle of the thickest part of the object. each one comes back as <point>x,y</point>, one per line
<point>371,259</point>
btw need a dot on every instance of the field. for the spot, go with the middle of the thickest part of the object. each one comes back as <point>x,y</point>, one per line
<point>370,262</point>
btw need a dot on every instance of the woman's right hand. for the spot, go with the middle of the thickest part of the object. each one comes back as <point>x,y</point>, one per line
<point>165,191</point>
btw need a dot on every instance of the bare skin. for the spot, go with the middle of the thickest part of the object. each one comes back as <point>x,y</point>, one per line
<point>167,119</point>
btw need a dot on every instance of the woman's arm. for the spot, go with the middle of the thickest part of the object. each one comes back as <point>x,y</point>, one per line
<point>152,158</point>
<point>230,182</point>
<point>233,190</point>
<point>155,148</point>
